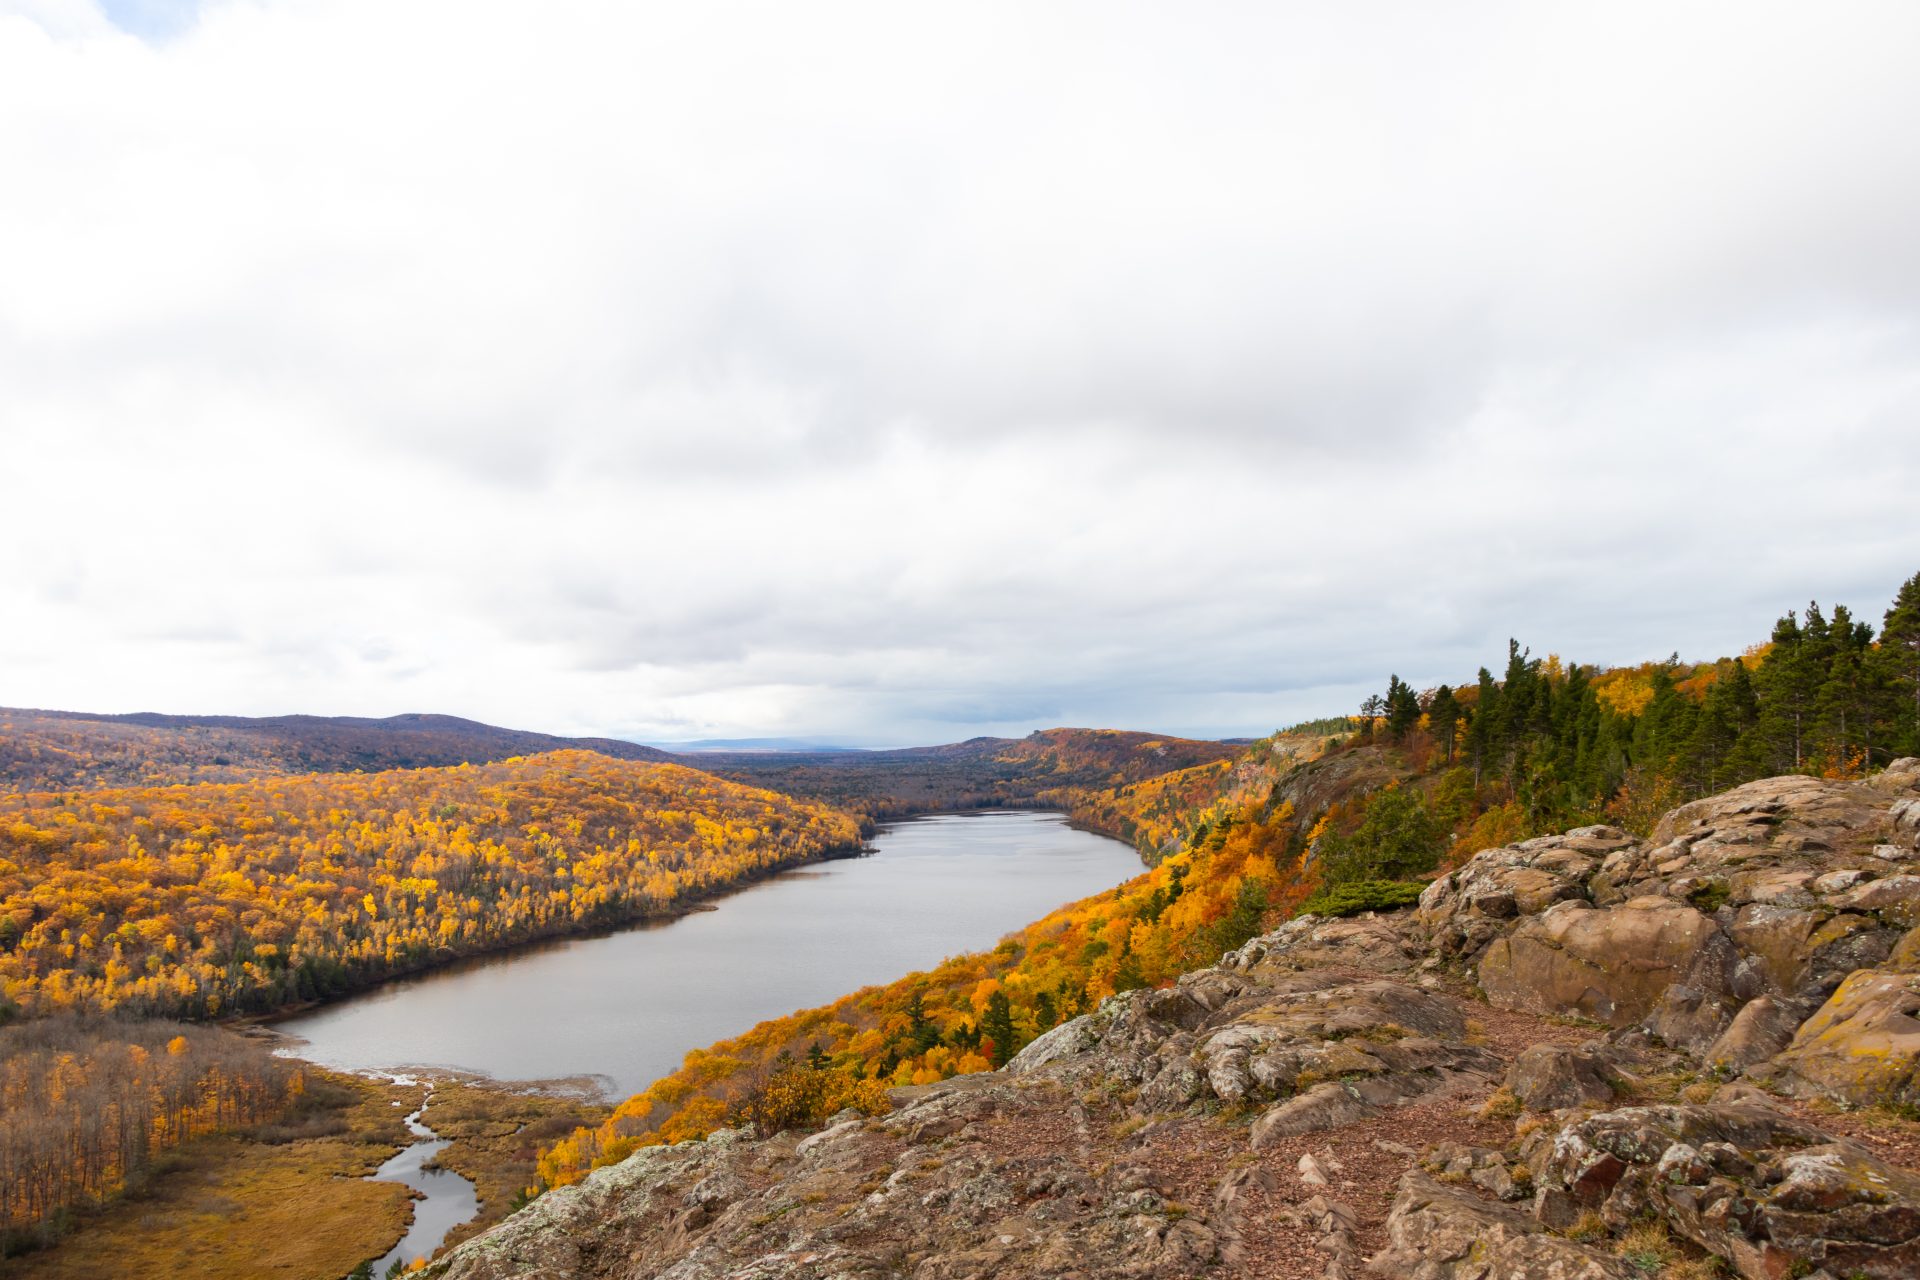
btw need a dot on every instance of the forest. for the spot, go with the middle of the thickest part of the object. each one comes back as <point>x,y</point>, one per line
<point>1335,816</point>
<point>979,773</point>
<point>199,901</point>
<point>90,1104</point>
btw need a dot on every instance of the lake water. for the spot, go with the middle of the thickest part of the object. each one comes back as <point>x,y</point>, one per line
<point>625,1007</point>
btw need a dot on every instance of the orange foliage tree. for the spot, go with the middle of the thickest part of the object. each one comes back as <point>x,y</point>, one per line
<point>204,900</point>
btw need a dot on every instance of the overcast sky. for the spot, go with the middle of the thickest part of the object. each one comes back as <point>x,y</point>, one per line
<point>898,373</point>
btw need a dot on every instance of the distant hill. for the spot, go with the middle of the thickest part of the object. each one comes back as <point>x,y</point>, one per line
<point>61,750</point>
<point>707,746</point>
<point>978,773</point>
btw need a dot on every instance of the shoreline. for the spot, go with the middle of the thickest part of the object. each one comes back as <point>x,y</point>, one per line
<point>706,900</point>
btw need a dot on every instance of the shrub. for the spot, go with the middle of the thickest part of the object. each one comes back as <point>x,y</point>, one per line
<point>1396,838</point>
<point>798,1096</point>
<point>1363,895</point>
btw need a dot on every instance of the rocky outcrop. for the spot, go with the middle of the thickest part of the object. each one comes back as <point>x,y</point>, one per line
<point>1862,1047</point>
<point>1772,1195</point>
<point>1285,1014</point>
<point>1740,916</point>
<point>930,1190</point>
<point>1615,965</point>
<point>1760,952</point>
<point>1443,1233</point>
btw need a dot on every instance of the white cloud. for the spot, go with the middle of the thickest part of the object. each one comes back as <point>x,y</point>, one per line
<point>864,369</point>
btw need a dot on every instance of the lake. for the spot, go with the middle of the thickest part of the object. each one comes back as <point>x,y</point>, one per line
<point>624,1008</point>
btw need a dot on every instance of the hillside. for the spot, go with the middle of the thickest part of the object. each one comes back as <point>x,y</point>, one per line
<point>208,899</point>
<point>1421,784</point>
<point>1592,1055</point>
<point>69,750</point>
<point>976,774</point>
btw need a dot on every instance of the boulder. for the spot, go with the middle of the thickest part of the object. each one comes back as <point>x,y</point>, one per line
<point>1464,911</point>
<point>1552,1077</point>
<point>1325,1106</point>
<point>1437,1232</point>
<point>1805,954</point>
<point>1895,899</point>
<point>1763,1027</point>
<point>1613,965</point>
<point>1862,1046</point>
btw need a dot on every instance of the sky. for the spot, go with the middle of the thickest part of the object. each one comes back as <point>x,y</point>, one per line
<point>897,373</point>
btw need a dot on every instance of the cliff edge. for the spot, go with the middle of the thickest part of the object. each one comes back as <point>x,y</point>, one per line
<point>1580,1057</point>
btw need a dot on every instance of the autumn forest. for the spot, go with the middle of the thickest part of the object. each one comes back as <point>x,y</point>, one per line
<point>162,881</point>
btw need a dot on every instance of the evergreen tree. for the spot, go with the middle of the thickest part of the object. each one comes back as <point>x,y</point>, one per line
<point>1661,734</point>
<point>1243,919</point>
<point>1483,729</point>
<point>1402,708</point>
<point>1397,839</point>
<point>1724,746</point>
<point>1897,672</point>
<point>1789,682</point>
<point>1843,705</point>
<point>996,1026</point>
<point>920,1029</point>
<point>1443,718</point>
<point>1517,692</point>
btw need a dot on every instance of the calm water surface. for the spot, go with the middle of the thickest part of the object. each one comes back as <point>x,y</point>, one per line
<point>447,1198</point>
<point>625,1008</point>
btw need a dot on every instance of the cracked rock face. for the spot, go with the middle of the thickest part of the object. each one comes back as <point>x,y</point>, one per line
<point>926,1191</point>
<point>1444,1233</point>
<point>1742,916</point>
<point>1771,1194</point>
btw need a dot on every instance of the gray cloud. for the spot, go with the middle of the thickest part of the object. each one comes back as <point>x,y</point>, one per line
<point>876,372</point>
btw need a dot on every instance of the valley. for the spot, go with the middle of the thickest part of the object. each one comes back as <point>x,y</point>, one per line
<point>1342,845</point>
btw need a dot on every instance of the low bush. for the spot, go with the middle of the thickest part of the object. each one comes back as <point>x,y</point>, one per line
<point>799,1096</point>
<point>1363,895</point>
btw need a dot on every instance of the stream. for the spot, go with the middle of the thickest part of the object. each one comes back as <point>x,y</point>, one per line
<point>448,1198</point>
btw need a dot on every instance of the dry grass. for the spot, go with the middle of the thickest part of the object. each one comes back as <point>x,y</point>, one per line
<point>239,1209</point>
<point>497,1135</point>
<point>288,1199</point>
<point>1647,1248</point>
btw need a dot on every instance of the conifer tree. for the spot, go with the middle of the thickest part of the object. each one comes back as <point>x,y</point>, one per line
<point>1443,718</point>
<point>996,1025</point>
<point>1897,670</point>
<point>1789,682</point>
<point>1482,731</point>
<point>1843,705</point>
<point>1402,708</point>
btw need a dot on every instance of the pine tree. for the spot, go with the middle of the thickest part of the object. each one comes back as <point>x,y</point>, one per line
<point>1398,838</point>
<point>1843,704</point>
<point>1443,718</point>
<point>1789,681</point>
<point>1723,747</point>
<point>1897,671</point>
<point>996,1025</point>
<point>1483,729</point>
<point>1402,708</point>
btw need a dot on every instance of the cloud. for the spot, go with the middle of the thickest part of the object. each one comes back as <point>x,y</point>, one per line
<point>883,372</point>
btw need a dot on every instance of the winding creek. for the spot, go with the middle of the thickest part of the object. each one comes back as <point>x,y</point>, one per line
<point>447,1198</point>
<point>620,1010</point>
